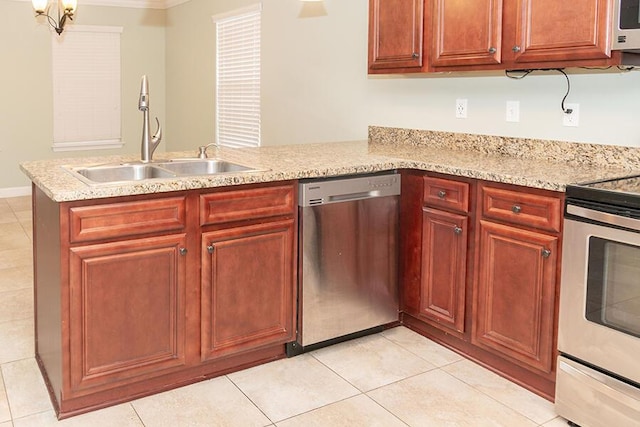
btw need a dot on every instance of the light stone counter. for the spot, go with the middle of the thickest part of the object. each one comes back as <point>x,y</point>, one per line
<point>541,164</point>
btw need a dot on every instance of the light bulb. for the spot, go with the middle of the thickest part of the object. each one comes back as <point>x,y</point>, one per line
<point>69,5</point>
<point>39,5</point>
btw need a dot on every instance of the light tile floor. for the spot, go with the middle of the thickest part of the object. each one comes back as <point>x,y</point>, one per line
<point>395,378</point>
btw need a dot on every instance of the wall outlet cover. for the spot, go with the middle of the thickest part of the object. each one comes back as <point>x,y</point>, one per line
<point>461,108</point>
<point>513,111</point>
<point>571,119</point>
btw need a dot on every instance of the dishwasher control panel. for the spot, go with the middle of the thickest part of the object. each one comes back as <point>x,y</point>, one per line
<point>321,192</point>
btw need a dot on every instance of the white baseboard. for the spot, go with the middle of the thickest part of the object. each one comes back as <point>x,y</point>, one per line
<point>15,192</point>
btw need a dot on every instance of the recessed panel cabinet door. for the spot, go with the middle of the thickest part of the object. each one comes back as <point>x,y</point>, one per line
<point>127,311</point>
<point>395,34</point>
<point>248,288</point>
<point>515,294</point>
<point>552,30</point>
<point>444,254</point>
<point>466,32</point>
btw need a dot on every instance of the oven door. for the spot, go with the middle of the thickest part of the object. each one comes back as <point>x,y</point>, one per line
<point>600,291</point>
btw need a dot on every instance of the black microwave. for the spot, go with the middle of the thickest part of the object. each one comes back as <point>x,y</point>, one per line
<point>626,25</point>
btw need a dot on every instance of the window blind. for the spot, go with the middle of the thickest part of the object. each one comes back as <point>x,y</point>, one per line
<point>86,88</point>
<point>238,78</point>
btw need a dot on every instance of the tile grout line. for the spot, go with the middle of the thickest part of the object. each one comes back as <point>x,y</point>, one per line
<point>6,394</point>
<point>249,399</point>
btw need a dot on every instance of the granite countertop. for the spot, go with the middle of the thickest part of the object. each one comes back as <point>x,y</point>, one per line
<point>387,149</point>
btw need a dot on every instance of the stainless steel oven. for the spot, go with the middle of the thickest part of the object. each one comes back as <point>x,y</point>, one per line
<point>598,380</point>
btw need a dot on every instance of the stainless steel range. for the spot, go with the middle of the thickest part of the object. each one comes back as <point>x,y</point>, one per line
<point>598,381</point>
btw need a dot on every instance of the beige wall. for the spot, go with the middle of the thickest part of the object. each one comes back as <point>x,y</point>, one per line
<point>26,118</point>
<point>315,85</point>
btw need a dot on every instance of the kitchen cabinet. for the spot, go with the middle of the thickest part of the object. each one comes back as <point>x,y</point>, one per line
<point>139,294</point>
<point>396,36</point>
<point>499,35</point>
<point>252,264</point>
<point>514,302</point>
<point>126,311</point>
<point>515,296</point>
<point>444,254</point>
<point>466,33</point>
<point>489,292</point>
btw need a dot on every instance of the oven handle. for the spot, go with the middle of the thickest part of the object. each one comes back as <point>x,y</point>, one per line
<point>604,217</point>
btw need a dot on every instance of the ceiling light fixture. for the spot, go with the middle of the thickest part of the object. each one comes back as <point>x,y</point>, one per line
<point>66,9</point>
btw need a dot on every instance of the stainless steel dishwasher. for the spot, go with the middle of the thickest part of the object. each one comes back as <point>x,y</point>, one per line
<point>348,280</point>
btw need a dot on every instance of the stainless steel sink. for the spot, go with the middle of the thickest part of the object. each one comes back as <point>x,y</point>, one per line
<point>123,172</point>
<point>184,167</point>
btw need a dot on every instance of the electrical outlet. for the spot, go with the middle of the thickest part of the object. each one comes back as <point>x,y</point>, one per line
<point>461,108</point>
<point>513,111</point>
<point>572,118</point>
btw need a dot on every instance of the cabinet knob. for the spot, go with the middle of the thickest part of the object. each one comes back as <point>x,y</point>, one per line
<point>442,194</point>
<point>546,253</point>
<point>492,50</point>
<point>457,230</point>
<point>516,209</point>
<point>210,249</point>
<point>516,49</point>
<point>183,251</point>
<point>415,55</point>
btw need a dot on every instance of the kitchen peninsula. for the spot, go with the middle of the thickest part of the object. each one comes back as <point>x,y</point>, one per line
<point>195,246</point>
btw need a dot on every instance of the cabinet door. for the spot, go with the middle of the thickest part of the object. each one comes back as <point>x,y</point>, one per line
<point>127,311</point>
<point>248,288</point>
<point>444,255</point>
<point>466,32</point>
<point>395,35</point>
<point>514,298</point>
<point>551,30</point>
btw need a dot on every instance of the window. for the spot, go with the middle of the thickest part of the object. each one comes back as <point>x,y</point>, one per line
<point>238,77</point>
<point>86,88</point>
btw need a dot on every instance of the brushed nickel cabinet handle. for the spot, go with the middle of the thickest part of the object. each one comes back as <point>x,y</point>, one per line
<point>210,249</point>
<point>546,253</point>
<point>492,50</point>
<point>457,230</point>
<point>442,194</point>
<point>516,49</point>
<point>415,55</point>
<point>183,251</point>
<point>516,209</point>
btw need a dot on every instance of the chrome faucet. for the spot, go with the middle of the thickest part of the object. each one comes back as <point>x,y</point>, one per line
<point>149,143</point>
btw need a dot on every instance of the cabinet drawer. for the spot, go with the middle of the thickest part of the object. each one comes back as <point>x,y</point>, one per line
<point>446,193</point>
<point>516,207</point>
<point>116,220</point>
<point>240,205</point>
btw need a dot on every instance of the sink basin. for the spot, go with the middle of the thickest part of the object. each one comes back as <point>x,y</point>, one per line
<point>123,172</point>
<point>202,167</point>
<point>126,172</point>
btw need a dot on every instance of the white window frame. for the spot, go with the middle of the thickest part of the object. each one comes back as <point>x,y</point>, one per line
<point>86,70</point>
<point>238,38</point>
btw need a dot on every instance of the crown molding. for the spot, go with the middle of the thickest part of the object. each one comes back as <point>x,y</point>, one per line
<point>141,4</point>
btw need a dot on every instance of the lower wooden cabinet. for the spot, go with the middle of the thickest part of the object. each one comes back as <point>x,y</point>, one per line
<point>248,293</point>
<point>444,260</point>
<point>127,311</point>
<point>481,275</point>
<point>139,294</point>
<point>514,304</point>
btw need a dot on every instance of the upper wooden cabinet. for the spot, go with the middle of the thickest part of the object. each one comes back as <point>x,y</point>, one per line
<point>466,33</point>
<point>396,36</point>
<point>490,35</point>
<point>559,32</point>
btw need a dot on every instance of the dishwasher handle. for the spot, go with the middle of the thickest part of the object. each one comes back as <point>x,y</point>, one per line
<point>354,196</point>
